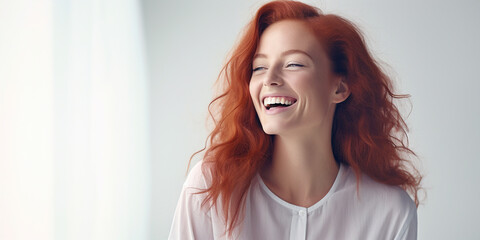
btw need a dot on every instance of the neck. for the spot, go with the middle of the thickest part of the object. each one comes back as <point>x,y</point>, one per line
<point>302,169</point>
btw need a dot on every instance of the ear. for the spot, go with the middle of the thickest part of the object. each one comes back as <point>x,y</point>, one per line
<point>342,92</point>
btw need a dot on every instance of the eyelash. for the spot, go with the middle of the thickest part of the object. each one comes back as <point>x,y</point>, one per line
<point>288,65</point>
<point>257,68</point>
<point>294,65</point>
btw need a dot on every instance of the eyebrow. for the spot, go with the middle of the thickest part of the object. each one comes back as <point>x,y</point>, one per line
<point>288,52</point>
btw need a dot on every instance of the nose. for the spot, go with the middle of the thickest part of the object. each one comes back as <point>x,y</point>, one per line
<point>272,79</point>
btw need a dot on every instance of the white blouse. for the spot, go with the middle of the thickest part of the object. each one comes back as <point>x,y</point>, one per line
<point>377,211</point>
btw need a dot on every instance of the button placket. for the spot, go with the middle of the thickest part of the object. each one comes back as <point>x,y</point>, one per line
<point>302,213</point>
<point>303,223</point>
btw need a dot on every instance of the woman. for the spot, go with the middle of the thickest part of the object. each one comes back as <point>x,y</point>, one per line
<point>306,143</point>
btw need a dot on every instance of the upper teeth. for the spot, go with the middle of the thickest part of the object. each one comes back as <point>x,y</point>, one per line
<point>276,100</point>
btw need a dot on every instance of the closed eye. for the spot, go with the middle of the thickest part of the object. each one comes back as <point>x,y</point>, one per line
<point>294,65</point>
<point>258,68</point>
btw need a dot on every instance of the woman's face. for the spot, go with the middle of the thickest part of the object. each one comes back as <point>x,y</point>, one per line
<point>292,86</point>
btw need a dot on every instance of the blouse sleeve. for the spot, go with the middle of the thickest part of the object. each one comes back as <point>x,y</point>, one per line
<point>191,220</point>
<point>409,229</point>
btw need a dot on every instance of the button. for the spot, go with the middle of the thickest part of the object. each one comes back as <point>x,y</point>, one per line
<point>302,213</point>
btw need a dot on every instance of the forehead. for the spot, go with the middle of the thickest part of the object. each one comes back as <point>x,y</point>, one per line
<point>287,35</point>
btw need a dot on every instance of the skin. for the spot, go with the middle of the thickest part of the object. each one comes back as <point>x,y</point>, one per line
<point>290,61</point>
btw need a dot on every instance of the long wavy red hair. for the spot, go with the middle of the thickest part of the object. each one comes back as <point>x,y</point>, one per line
<point>368,131</point>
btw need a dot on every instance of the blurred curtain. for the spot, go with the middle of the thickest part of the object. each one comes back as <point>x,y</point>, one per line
<point>74,142</point>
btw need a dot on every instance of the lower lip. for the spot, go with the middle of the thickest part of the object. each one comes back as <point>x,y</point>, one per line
<point>277,110</point>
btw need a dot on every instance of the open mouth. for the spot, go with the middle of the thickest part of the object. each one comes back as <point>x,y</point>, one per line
<point>278,102</point>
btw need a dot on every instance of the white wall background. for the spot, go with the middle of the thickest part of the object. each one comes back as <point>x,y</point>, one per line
<point>74,139</point>
<point>432,46</point>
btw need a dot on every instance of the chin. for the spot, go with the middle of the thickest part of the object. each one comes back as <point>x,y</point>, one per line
<point>271,130</point>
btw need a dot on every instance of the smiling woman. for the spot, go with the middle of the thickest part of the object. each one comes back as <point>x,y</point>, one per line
<point>290,63</point>
<point>308,144</point>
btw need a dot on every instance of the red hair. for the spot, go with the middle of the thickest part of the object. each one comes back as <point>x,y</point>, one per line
<point>368,131</point>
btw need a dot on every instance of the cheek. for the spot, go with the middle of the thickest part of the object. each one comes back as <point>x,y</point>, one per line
<point>254,89</point>
<point>254,92</point>
<point>315,88</point>
<point>251,89</point>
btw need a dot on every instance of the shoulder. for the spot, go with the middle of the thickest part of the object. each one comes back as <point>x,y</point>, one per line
<point>375,194</point>
<point>191,219</point>
<point>196,177</point>
<point>193,192</point>
<point>390,206</point>
<point>386,197</point>
<point>197,181</point>
<point>384,211</point>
